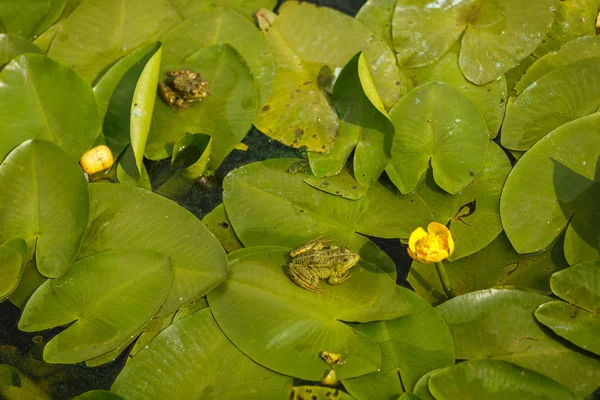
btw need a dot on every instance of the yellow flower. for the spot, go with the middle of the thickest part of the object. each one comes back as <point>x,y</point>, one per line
<point>97,159</point>
<point>432,246</point>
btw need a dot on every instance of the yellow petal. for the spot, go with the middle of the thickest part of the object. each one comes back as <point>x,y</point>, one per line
<point>97,159</point>
<point>435,228</point>
<point>437,256</point>
<point>415,236</point>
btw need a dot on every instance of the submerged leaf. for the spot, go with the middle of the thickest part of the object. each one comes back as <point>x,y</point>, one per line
<point>13,260</point>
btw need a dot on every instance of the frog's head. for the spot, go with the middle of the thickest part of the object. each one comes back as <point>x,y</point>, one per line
<point>348,259</point>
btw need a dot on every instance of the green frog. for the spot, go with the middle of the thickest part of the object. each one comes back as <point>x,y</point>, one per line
<point>182,86</point>
<point>316,260</point>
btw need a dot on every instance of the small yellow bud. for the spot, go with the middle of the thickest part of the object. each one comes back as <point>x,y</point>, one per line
<point>330,378</point>
<point>97,159</point>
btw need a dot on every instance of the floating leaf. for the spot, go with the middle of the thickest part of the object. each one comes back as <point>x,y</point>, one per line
<point>554,184</point>
<point>12,46</point>
<point>45,201</point>
<point>248,8</point>
<point>435,122</point>
<point>272,320</point>
<point>422,387</point>
<point>123,290</point>
<point>578,322</point>
<point>31,279</point>
<point>357,103</point>
<point>219,225</point>
<point>560,96</point>
<point>578,49</point>
<point>13,259</point>
<point>494,379</point>
<point>20,18</point>
<point>200,363</point>
<point>377,15</point>
<point>35,105</point>
<point>490,99</point>
<point>496,265</point>
<point>318,393</point>
<point>411,346</point>
<point>124,217</point>
<point>498,324</point>
<point>343,184</point>
<point>497,33</point>
<point>268,205</point>
<point>225,114</point>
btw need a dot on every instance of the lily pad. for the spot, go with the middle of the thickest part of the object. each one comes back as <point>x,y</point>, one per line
<point>31,279</point>
<point>247,8</point>
<point>225,114</point>
<point>12,46</point>
<point>13,260</point>
<point>45,202</point>
<point>560,96</point>
<point>21,18</point>
<point>554,184</point>
<point>377,15</point>
<point>494,379</point>
<point>272,320</point>
<point>578,49</point>
<point>498,324</point>
<point>490,99</point>
<point>268,205</point>
<point>342,184</point>
<point>436,123</point>
<point>200,362</point>
<point>124,217</point>
<point>473,215</point>
<point>123,290</point>
<point>422,387</point>
<point>357,103</point>
<point>579,321</point>
<point>496,265</point>
<point>497,33</point>
<point>35,105</point>
<point>219,225</point>
<point>318,393</point>
<point>411,346</point>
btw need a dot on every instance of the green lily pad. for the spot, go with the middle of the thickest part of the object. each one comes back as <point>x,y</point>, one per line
<point>411,346</point>
<point>356,100</point>
<point>342,184</point>
<point>21,18</point>
<point>31,279</point>
<point>422,387</point>
<point>496,265</point>
<point>494,380</point>
<point>572,19</point>
<point>436,122</point>
<point>13,260</point>
<point>578,49</point>
<point>498,324</point>
<point>514,75</point>
<point>35,105</point>
<point>188,162</point>
<point>247,8</point>
<point>272,320</point>
<point>45,201</point>
<point>554,184</point>
<point>377,15</point>
<point>123,290</point>
<point>318,393</point>
<point>268,205</point>
<point>225,114</point>
<point>219,225</point>
<point>97,32</point>
<point>473,215</point>
<point>193,359</point>
<point>124,217</point>
<point>579,321</point>
<point>560,96</point>
<point>12,46</point>
<point>490,99</point>
<point>498,33</point>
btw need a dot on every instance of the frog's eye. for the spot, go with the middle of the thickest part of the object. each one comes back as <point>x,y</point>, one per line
<point>345,259</point>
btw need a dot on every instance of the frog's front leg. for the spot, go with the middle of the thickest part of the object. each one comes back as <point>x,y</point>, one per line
<point>170,97</point>
<point>303,277</point>
<point>339,278</point>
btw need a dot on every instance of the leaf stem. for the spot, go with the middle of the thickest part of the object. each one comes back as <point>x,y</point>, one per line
<point>439,266</point>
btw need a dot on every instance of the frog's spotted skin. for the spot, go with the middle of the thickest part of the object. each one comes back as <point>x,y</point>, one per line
<point>314,260</point>
<point>181,87</point>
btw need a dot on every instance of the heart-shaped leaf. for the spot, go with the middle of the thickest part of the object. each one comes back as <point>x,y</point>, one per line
<point>13,259</point>
<point>498,324</point>
<point>35,105</point>
<point>557,182</point>
<point>271,319</point>
<point>579,321</point>
<point>449,132</point>
<point>124,217</point>
<point>110,296</point>
<point>411,346</point>
<point>494,380</point>
<point>12,46</point>
<point>560,96</point>
<point>45,201</point>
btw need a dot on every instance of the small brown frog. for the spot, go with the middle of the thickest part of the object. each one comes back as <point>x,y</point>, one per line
<point>182,86</point>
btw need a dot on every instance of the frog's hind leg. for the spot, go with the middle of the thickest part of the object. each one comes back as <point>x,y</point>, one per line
<point>303,278</point>
<point>338,279</point>
<point>315,244</point>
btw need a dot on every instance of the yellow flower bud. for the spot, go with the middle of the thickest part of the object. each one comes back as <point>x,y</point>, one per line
<point>432,246</point>
<point>97,159</point>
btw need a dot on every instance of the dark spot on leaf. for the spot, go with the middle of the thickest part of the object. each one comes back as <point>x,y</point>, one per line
<point>135,104</point>
<point>325,184</point>
<point>306,83</point>
<point>337,192</point>
<point>314,136</point>
<point>354,187</point>
<point>314,397</point>
<point>298,132</point>
<point>397,83</point>
<point>308,390</point>
<point>266,108</point>
<point>223,225</point>
<point>301,210</point>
